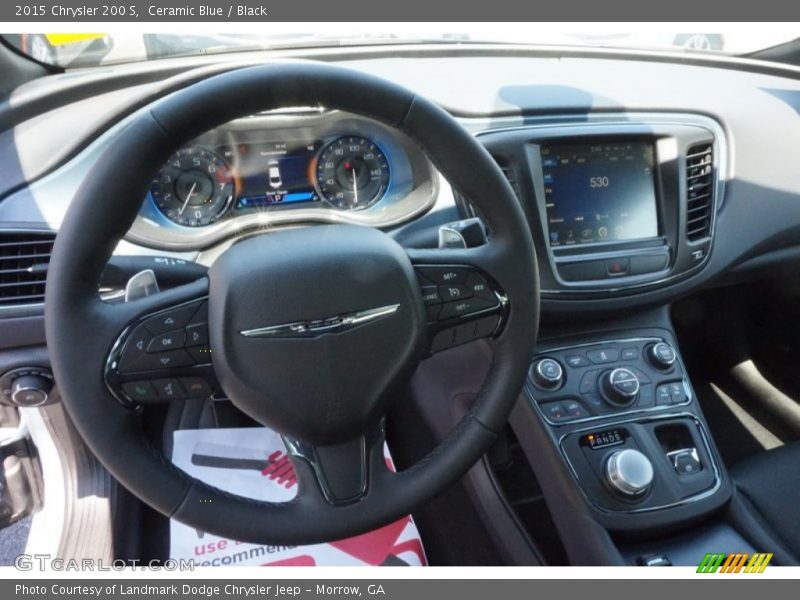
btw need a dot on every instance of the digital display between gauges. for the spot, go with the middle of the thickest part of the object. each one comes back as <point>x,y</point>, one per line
<point>193,188</point>
<point>603,439</point>
<point>273,173</point>
<point>352,173</point>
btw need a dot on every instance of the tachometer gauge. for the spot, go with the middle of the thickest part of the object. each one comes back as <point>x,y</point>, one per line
<point>352,173</point>
<point>194,188</point>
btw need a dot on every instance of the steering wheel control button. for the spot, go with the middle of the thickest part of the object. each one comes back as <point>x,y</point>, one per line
<point>629,472</point>
<point>479,287</point>
<point>197,335</point>
<point>175,318</point>
<point>167,341</point>
<point>135,348</point>
<point>158,361</point>
<point>169,389</point>
<point>619,387</point>
<point>456,291</point>
<point>443,276</point>
<point>430,295</point>
<point>140,391</point>
<point>547,374</point>
<point>576,361</point>
<point>662,355</point>
<point>604,356</point>
<point>196,387</point>
<point>460,308</point>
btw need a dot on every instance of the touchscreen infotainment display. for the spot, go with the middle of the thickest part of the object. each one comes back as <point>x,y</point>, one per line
<point>600,192</point>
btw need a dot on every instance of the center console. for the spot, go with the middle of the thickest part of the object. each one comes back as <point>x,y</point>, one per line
<point>612,426</point>
<point>624,418</point>
<point>622,209</point>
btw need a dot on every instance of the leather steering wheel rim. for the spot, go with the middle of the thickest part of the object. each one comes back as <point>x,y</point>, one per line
<point>81,329</point>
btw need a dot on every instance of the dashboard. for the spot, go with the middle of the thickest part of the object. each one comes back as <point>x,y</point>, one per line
<point>642,179</point>
<point>602,155</point>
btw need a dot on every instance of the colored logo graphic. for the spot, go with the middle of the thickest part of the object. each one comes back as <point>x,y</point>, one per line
<point>734,563</point>
<point>280,470</point>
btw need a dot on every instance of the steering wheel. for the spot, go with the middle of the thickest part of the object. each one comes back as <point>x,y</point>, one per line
<point>312,330</point>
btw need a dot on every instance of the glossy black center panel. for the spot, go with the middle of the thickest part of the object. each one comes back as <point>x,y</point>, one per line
<point>625,422</point>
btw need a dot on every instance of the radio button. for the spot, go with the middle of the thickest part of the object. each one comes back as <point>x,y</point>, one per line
<point>648,263</point>
<point>582,271</point>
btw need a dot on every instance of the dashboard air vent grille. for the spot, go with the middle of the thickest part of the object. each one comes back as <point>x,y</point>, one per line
<point>24,257</point>
<point>508,171</point>
<point>699,191</point>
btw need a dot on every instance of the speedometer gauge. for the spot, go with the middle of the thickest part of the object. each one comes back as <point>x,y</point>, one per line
<point>352,173</point>
<point>194,188</point>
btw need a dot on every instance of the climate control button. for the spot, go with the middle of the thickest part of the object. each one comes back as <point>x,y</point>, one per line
<point>547,374</point>
<point>662,355</point>
<point>619,387</point>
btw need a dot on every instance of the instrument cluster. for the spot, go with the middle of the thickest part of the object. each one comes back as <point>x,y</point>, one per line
<point>200,185</point>
<point>296,167</point>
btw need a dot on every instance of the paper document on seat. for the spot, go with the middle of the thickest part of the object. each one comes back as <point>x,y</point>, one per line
<point>252,462</point>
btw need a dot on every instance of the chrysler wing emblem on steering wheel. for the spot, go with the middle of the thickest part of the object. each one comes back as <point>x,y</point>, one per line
<point>319,326</point>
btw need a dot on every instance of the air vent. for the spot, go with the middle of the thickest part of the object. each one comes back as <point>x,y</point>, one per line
<point>468,209</point>
<point>699,191</point>
<point>508,171</point>
<point>24,257</point>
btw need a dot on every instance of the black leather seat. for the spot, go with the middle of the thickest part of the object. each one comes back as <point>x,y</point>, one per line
<point>770,481</point>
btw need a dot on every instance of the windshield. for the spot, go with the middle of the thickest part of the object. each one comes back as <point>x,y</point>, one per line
<point>90,49</point>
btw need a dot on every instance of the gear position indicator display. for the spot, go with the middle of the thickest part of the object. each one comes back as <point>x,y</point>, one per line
<point>604,439</point>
